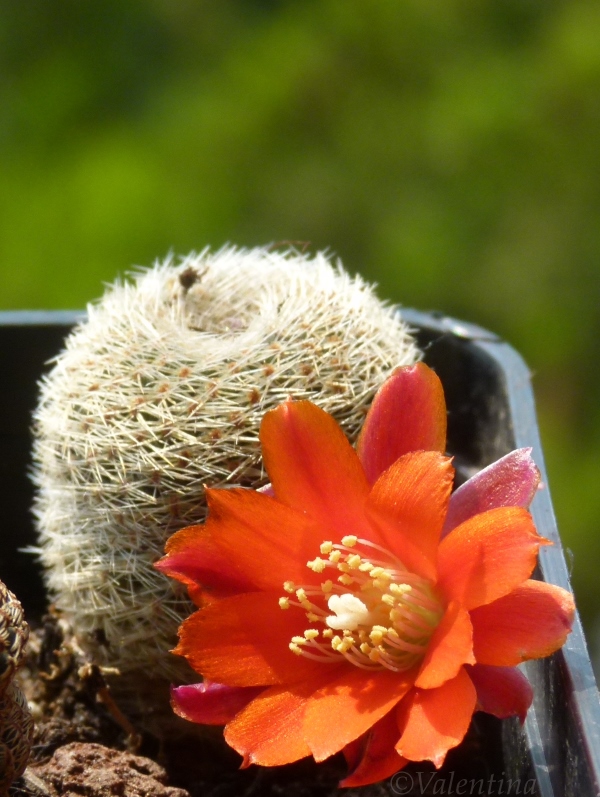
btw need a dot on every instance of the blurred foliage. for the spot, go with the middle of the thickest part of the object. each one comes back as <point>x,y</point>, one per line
<point>448,151</point>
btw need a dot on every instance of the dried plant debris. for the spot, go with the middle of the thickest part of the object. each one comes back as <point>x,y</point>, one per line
<point>16,724</point>
<point>68,694</point>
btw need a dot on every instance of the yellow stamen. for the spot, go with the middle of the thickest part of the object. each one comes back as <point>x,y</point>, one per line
<point>376,620</point>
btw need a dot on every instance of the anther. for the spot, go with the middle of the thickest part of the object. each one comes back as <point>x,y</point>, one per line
<point>284,603</point>
<point>327,586</point>
<point>289,586</point>
<point>317,565</point>
<point>377,634</point>
<point>326,547</point>
<point>399,589</point>
<point>349,540</point>
<point>311,633</point>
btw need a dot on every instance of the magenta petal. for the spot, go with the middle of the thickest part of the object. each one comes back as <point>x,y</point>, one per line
<point>211,704</point>
<point>510,481</point>
<point>501,691</point>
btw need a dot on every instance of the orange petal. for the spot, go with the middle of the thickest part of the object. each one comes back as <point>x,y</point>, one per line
<point>435,720</point>
<point>407,414</point>
<point>532,621</point>
<point>270,730</point>
<point>450,647</point>
<point>195,560</point>
<point>408,504</point>
<point>488,555</point>
<point>501,691</point>
<point>378,759</point>
<point>348,706</point>
<point>313,468</point>
<point>263,540</point>
<point>243,641</point>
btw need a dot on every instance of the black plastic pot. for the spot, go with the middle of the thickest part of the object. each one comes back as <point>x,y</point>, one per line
<point>491,412</point>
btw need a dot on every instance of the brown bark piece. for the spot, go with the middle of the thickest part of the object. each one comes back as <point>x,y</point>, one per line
<point>92,770</point>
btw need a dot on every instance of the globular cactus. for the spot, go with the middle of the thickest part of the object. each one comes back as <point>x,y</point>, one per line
<point>16,723</point>
<point>162,391</point>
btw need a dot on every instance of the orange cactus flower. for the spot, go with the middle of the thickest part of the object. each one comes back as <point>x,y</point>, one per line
<point>357,605</point>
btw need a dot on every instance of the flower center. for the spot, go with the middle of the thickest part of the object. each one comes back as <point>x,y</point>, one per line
<point>385,615</point>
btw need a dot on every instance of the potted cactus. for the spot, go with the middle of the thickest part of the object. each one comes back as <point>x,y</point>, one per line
<point>161,389</point>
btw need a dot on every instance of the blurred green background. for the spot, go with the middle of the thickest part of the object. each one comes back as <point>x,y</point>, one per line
<point>448,151</point>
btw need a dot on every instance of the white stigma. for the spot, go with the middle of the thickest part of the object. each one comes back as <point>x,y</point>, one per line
<point>349,612</point>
